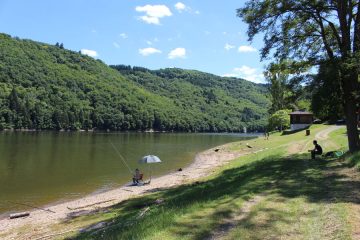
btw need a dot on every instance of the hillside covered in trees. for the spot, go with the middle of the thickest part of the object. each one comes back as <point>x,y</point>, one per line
<point>48,87</point>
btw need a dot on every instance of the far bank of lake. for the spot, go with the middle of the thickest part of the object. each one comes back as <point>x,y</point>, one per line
<point>38,168</point>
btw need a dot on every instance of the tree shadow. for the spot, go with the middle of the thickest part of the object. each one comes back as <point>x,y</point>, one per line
<point>288,177</point>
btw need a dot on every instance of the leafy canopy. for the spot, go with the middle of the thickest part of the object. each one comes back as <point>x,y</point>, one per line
<point>280,119</point>
<point>310,32</point>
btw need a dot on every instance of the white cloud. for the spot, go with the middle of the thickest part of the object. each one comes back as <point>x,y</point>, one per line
<point>123,35</point>
<point>150,20</point>
<point>229,46</point>
<point>177,53</point>
<point>116,45</point>
<point>148,51</point>
<point>151,42</point>
<point>180,6</point>
<point>245,70</point>
<point>248,73</point>
<point>230,75</point>
<point>246,48</point>
<point>153,13</point>
<point>90,53</point>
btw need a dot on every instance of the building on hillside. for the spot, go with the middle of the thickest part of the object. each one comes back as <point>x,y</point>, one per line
<point>300,120</point>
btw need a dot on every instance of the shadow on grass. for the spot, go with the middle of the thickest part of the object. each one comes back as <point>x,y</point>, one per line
<point>289,177</point>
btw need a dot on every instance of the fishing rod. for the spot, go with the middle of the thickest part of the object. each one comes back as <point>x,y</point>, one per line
<point>121,157</point>
<point>28,205</point>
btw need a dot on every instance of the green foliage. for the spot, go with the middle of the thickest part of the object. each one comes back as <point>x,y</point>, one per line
<point>48,87</point>
<point>280,120</point>
<point>327,103</point>
<point>286,90</point>
<point>211,102</point>
<point>309,33</point>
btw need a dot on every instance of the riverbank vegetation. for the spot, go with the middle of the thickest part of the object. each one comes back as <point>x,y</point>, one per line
<point>48,87</point>
<point>301,36</point>
<point>276,192</point>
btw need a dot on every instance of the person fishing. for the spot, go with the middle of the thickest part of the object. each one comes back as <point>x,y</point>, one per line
<point>137,176</point>
<point>316,151</point>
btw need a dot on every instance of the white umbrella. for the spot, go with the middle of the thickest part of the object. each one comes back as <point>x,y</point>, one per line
<point>150,159</point>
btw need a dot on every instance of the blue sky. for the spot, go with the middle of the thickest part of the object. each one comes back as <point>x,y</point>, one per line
<point>204,35</point>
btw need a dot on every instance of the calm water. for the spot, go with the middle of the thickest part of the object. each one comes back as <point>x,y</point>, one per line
<point>39,168</point>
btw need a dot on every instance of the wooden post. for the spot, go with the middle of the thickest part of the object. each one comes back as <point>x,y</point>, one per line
<point>19,215</point>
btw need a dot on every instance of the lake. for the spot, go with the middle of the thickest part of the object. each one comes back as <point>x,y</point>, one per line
<point>39,168</point>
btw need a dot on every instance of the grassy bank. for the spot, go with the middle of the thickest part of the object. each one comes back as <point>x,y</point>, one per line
<point>340,138</point>
<point>275,193</point>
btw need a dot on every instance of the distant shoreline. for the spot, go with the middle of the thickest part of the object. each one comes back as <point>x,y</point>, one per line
<point>114,131</point>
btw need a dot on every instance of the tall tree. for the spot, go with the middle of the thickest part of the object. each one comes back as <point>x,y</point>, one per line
<point>278,78</point>
<point>309,32</point>
<point>326,99</point>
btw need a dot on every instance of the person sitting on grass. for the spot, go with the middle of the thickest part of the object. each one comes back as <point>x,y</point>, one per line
<point>137,176</point>
<point>316,151</point>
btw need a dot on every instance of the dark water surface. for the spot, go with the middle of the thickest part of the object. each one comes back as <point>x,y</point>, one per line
<point>39,168</point>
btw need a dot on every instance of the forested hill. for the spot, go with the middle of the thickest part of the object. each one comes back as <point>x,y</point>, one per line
<point>230,102</point>
<point>48,87</point>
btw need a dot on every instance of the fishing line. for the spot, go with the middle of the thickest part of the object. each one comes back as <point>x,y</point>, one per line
<point>121,157</point>
<point>32,206</point>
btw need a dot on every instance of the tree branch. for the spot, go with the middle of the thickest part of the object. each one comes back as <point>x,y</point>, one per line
<point>328,49</point>
<point>356,43</point>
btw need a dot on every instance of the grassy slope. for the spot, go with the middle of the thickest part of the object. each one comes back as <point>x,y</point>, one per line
<point>297,199</point>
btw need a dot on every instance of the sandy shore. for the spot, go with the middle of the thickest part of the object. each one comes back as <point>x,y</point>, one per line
<point>39,222</point>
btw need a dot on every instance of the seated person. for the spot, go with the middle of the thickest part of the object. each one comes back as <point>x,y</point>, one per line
<point>137,176</point>
<point>316,151</point>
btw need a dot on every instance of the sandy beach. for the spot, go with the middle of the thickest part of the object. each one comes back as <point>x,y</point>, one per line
<point>38,224</point>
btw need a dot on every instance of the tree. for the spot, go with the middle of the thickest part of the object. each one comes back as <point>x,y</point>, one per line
<point>277,79</point>
<point>310,32</point>
<point>14,102</point>
<point>285,87</point>
<point>326,100</point>
<point>280,120</point>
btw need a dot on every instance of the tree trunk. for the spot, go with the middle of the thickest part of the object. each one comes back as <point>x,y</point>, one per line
<point>351,126</point>
<point>349,82</point>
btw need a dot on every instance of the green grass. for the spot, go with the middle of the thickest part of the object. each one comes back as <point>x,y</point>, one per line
<point>340,138</point>
<point>355,160</point>
<point>301,199</point>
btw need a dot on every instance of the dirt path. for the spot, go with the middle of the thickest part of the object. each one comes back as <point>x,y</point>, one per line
<point>323,135</point>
